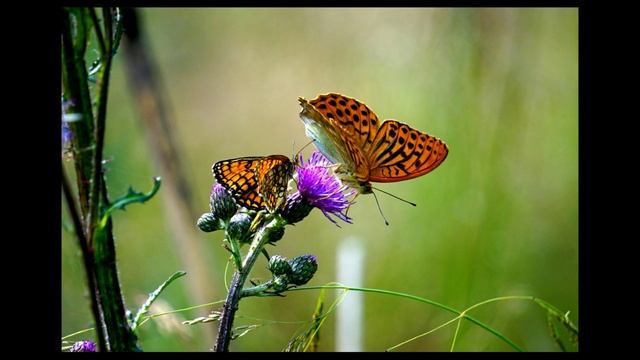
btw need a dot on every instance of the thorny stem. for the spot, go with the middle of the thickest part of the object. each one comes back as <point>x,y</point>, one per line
<point>87,253</point>
<point>76,90</point>
<point>88,146</point>
<point>122,337</point>
<point>101,106</point>
<point>120,333</point>
<point>261,238</point>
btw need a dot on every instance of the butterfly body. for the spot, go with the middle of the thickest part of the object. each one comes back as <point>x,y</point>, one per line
<point>256,182</point>
<point>365,149</point>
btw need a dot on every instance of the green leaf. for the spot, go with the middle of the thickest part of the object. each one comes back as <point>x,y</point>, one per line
<point>214,316</point>
<point>563,318</point>
<point>152,297</point>
<point>243,330</point>
<point>554,330</point>
<point>317,321</point>
<point>130,197</point>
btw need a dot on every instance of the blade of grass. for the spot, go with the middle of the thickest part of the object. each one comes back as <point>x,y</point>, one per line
<point>419,299</point>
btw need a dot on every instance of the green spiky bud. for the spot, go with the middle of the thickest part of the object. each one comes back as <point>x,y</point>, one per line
<point>280,283</point>
<point>295,209</point>
<point>302,269</point>
<point>276,234</point>
<point>221,203</point>
<point>278,265</point>
<point>208,223</point>
<point>238,227</point>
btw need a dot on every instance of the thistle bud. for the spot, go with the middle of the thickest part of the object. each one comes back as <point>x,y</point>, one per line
<point>280,283</point>
<point>278,265</point>
<point>221,203</point>
<point>276,234</point>
<point>302,269</point>
<point>238,227</point>
<point>295,209</point>
<point>208,223</point>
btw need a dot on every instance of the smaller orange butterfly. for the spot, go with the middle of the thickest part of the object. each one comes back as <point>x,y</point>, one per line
<point>256,182</point>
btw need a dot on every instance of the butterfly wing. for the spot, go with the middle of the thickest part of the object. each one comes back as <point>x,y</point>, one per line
<point>333,141</point>
<point>239,177</point>
<point>273,174</point>
<point>356,120</point>
<point>399,152</point>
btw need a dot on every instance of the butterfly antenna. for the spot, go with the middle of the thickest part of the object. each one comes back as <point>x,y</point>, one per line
<point>399,198</point>
<point>297,155</point>
<point>293,146</point>
<point>380,209</point>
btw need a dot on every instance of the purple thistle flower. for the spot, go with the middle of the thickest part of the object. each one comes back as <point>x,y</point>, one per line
<point>83,346</point>
<point>321,189</point>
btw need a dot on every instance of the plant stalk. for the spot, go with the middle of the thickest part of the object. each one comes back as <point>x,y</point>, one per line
<point>98,245</point>
<point>261,238</point>
<point>76,91</point>
<point>89,264</point>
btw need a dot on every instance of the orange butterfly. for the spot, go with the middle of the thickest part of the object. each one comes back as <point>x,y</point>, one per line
<point>256,182</point>
<point>349,134</point>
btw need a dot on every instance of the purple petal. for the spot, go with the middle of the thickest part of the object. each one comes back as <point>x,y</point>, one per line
<point>318,185</point>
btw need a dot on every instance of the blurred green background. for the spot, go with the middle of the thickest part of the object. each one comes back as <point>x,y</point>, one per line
<point>499,217</point>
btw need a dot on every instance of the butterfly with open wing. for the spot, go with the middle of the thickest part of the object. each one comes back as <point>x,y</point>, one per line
<point>256,182</point>
<point>365,149</point>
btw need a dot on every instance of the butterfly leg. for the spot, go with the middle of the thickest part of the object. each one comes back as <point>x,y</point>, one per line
<point>333,167</point>
<point>256,221</point>
<point>351,202</point>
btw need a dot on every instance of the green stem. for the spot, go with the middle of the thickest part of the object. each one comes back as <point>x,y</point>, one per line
<point>255,290</point>
<point>420,299</point>
<point>88,144</point>
<point>101,115</point>
<point>89,264</point>
<point>235,251</point>
<point>455,334</point>
<point>96,27</point>
<point>120,335</point>
<point>380,291</point>
<point>260,239</point>
<point>457,318</point>
<point>76,91</point>
<point>76,333</point>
